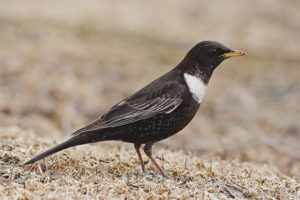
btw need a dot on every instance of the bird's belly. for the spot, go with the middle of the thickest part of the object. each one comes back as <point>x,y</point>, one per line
<point>158,127</point>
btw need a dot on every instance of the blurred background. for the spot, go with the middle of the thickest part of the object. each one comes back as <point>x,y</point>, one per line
<point>64,63</point>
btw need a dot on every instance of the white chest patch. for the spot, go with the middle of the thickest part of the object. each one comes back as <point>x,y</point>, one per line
<point>196,87</point>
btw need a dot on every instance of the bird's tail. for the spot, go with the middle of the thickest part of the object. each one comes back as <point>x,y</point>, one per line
<point>80,139</point>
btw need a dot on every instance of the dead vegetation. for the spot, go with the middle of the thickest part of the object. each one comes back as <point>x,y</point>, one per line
<point>94,172</point>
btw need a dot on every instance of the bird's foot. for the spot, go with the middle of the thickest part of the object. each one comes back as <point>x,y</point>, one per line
<point>166,176</point>
<point>163,174</point>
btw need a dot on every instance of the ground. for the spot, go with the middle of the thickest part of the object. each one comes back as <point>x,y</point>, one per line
<point>63,64</point>
<point>91,172</point>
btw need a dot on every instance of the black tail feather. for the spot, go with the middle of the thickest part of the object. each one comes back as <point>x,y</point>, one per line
<point>83,138</point>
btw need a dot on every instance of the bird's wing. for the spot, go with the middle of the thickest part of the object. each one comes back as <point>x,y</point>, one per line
<point>142,105</point>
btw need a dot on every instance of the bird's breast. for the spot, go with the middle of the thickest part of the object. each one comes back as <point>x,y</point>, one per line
<point>196,87</point>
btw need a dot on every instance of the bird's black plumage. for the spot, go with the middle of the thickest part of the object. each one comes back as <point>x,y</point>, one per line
<point>158,110</point>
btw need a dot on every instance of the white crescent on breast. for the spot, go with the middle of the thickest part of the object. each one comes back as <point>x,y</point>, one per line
<point>196,86</point>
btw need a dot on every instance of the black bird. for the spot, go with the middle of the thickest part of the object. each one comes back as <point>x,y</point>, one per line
<point>159,110</point>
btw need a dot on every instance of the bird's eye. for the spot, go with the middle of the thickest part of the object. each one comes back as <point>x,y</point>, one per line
<point>213,51</point>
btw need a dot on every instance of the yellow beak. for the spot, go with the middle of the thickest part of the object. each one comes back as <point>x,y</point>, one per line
<point>233,53</point>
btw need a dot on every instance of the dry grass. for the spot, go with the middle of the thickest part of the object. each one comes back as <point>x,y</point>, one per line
<point>61,68</point>
<point>94,172</point>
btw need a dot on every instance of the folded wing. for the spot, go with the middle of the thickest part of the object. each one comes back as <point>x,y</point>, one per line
<point>144,104</point>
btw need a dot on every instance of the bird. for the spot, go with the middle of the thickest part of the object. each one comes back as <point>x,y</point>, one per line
<point>160,109</point>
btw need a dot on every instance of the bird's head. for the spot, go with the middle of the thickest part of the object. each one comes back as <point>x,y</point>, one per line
<point>209,54</point>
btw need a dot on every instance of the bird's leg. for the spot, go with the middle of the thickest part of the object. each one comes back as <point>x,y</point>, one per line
<point>137,149</point>
<point>148,152</point>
